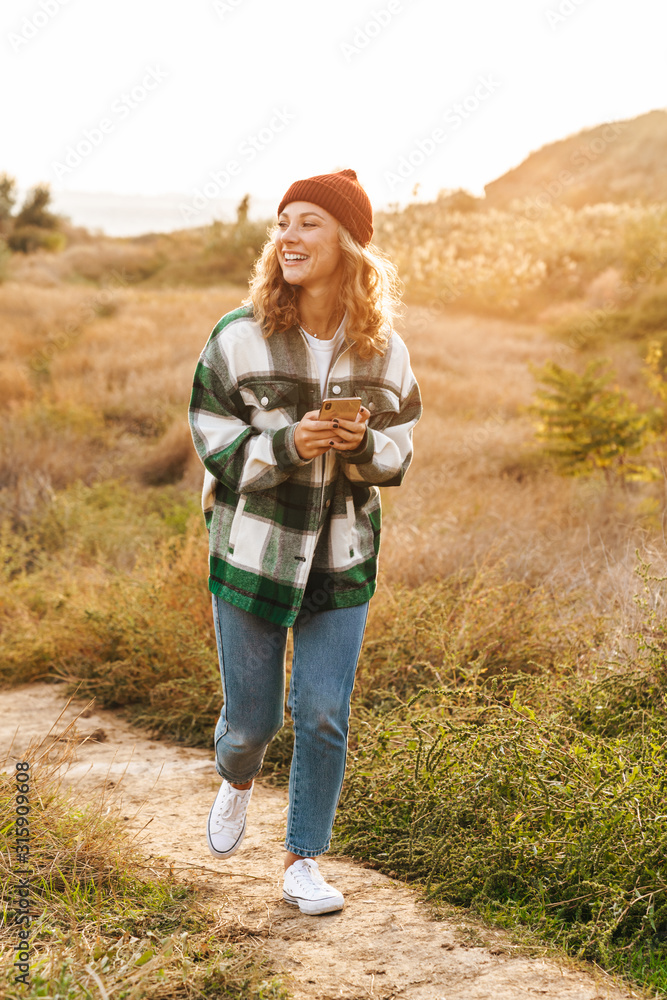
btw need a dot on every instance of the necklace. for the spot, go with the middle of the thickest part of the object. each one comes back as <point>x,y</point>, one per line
<point>320,336</point>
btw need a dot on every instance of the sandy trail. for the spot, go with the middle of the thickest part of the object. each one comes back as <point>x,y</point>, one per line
<point>383,945</point>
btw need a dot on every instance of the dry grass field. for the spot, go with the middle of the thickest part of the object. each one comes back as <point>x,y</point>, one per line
<point>499,578</point>
<point>99,475</point>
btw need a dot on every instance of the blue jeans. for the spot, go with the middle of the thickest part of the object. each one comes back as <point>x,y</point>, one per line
<point>252,668</point>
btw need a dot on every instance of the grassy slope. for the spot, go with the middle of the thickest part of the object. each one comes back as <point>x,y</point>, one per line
<point>615,162</point>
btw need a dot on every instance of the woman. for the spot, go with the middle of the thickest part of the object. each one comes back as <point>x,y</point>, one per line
<point>293,507</point>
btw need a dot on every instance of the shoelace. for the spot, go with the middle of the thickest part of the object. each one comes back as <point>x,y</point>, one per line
<point>308,877</point>
<point>227,808</point>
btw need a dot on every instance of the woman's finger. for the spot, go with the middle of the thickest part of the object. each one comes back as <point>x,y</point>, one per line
<point>350,435</point>
<point>354,426</point>
<point>310,422</point>
<point>347,445</point>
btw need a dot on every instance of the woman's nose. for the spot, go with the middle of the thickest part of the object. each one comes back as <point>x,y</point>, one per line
<point>287,235</point>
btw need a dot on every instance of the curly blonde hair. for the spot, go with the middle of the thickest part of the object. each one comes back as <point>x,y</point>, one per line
<point>369,292</point>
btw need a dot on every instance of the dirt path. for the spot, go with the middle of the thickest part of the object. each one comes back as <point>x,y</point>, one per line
<point>383,945</point>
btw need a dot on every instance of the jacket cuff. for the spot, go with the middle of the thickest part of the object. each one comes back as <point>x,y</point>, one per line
<point>284,449</point>
<point>362,454</point>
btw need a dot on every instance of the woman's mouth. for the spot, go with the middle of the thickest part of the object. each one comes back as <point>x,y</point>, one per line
<point>291,258</point>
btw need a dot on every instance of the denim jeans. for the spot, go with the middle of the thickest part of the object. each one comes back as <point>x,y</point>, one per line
<point>252,668</point>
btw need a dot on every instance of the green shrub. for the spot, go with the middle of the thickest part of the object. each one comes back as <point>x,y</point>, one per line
<point>27,239</point>
<point>5,258</point>
<point>7,202</point>
<point>35,209</point>
<point>586,427</point>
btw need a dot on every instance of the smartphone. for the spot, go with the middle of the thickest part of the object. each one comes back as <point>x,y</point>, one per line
<point>345,408</point>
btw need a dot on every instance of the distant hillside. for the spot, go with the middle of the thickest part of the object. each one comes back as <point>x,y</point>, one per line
<point>137,214</point>
<point>617,161</point>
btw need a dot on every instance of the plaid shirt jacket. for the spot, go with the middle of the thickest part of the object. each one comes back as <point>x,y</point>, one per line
<point>284,532</point>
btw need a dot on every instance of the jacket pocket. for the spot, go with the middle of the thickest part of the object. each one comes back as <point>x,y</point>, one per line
<point>379,400</point>
<point>270,394</point>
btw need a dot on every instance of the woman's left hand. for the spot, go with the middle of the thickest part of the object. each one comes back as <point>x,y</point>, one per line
<point>351,432</point>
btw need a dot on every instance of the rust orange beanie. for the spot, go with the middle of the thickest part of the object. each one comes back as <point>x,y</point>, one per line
<point>342,195</point>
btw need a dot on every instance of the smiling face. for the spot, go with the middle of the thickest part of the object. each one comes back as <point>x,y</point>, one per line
<point>307,244</point>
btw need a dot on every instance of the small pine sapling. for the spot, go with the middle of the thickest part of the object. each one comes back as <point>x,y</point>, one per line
<point>586,427</point>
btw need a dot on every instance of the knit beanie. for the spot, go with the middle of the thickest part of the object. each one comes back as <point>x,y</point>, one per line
<point>342,195</point>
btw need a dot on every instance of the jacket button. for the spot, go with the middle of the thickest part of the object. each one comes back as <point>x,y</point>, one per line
<point>328,503</point>
<point>264,400</point>
<point>336,389</point>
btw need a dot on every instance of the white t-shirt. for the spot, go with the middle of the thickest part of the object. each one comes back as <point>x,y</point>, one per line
<point>324,351</point>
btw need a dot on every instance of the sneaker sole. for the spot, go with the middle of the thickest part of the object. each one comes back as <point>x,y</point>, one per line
<point>313,907</point>
<point>224,854</point>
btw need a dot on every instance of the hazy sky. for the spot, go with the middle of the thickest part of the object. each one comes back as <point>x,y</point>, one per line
<point>156,96</point>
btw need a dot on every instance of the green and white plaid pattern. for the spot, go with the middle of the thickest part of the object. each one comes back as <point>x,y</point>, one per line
<point>284,532</point>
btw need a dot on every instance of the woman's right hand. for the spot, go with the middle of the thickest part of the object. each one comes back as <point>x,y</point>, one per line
<point>312,436</point>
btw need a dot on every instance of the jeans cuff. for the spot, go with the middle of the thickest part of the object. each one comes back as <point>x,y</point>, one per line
<point>233,779</point>
<point>305,852</point>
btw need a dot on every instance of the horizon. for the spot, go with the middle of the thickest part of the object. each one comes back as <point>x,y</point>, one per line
<point>457,96</point>
<point>98,210</point>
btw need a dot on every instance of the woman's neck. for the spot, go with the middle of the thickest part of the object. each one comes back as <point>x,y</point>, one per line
<point>319,313</point>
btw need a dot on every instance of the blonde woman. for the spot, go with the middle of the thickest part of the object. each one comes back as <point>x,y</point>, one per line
<point>292,504</point>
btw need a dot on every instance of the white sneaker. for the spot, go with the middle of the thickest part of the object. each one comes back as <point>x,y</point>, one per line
<point>226,821</point>
<point>304,887</point>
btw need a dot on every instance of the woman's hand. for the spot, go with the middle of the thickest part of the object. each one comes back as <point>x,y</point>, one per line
<point>350,433</point>
<point>313,436</point>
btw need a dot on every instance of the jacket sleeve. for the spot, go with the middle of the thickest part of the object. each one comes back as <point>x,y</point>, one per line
<point>385,454</point>
<point>234,452</point>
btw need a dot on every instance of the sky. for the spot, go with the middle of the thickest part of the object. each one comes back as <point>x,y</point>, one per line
<point>216,98</point>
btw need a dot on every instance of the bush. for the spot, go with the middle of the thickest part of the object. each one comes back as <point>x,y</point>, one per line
<point>5,258</point>
<point>586,427</point>
<point>235,247</point>
<point>34,211</point>
<point>29,238</point>
<point>7,202</point>
<point>34,227</point>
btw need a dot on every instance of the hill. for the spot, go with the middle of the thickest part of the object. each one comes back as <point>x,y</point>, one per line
<point>613,162</point>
